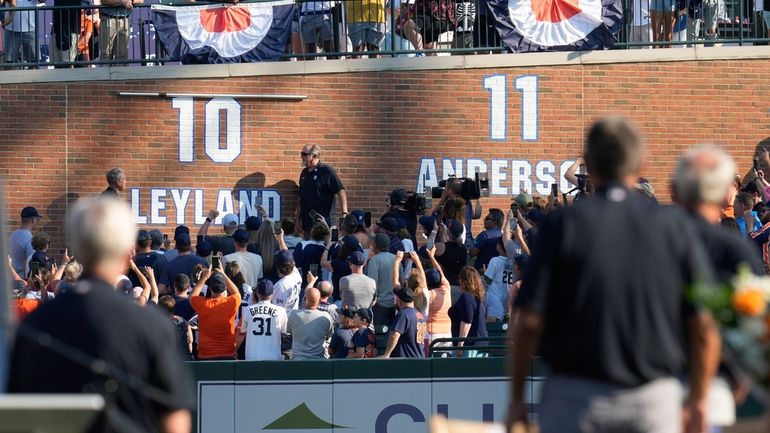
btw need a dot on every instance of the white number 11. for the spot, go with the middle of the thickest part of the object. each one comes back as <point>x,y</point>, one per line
<point>496,85</point>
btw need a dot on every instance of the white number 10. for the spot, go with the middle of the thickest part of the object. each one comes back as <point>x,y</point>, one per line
<point>212,145</point>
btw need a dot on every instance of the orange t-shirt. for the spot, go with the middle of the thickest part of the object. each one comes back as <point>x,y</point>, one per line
<point>216,325</point>
<point>26,306</point>
<point>438,311</point>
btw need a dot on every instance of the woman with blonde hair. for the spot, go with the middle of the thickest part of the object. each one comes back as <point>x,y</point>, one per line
<point>468,313</point>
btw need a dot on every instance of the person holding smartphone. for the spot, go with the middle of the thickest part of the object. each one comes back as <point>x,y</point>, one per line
<point>319,186</point>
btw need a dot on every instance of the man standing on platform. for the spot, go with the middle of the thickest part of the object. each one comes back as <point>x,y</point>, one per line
<point>318,187</point>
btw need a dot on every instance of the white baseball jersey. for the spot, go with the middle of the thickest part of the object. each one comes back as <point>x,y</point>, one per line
<point>500,271</point>
<point>286,291</point>
<point>263,323</point>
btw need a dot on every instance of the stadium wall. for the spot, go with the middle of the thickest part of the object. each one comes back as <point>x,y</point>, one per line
<point>382,124</point>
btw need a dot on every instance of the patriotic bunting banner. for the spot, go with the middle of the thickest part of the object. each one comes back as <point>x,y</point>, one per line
<point>252,32</point>
<point>557,25</point>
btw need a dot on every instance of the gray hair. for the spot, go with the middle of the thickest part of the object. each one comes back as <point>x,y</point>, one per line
<point>613,149</point>
<point>114,175</point>
<point>101,230</point>
<point>704,175</point>
<point>314,149</point>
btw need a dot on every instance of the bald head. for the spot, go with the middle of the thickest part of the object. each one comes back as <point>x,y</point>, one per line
<point>704,176</point>
<point>325,289</point>
<point>312,298</point>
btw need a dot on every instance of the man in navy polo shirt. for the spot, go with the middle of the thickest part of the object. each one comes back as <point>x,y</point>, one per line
<point>183,264</point>
<point>318,187</point>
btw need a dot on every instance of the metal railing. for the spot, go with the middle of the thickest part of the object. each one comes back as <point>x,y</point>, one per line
<point>493,346</point>
<point>43,36</point>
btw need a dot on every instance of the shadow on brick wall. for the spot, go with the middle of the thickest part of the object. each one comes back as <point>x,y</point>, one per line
<point>288,189</point>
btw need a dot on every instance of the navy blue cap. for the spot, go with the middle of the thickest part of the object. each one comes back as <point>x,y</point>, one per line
<point>404,293</point>
<point>264,287</point>
<point>536,215</point>
<point>241,236</point>
<point>217,282</point>
<point>359,214</point>
<point>399,196</point>
<point>181,229</point>
<point>357,258</point>
<point>283,257</point>
<point>365,314</point>
<point>347,312</point>
<point>427,222</point>
<point>401,223</point>
<point>253,222</point>
<point>455,228</point>
<point>389,224</point>
<point>433,278</point>
<point>30,212</point>
<point>156,236</point>
<point>143,236</point>
<point>203,248</point>
<point>183,240</point>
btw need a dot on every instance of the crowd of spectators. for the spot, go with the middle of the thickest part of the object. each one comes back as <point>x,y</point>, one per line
<point>269,290</point>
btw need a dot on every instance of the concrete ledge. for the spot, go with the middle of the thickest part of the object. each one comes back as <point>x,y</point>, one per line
<point>488,61</point>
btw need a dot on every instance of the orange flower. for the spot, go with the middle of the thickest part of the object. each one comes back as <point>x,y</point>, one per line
<point>749,302</point>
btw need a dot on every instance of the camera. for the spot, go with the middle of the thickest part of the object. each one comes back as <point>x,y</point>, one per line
<point>414,202</point>
<point>469,189</point>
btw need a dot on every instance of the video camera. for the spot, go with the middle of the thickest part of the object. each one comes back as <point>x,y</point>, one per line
<point>470,189</point>
<point>412,201</point>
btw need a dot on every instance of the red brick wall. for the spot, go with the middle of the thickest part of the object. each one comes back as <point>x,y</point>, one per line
<point>58,140</point>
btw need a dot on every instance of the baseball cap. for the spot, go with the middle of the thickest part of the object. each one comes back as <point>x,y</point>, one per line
<point>404,293</point>
<point>523,199</point>
<point>398,196</point>
<point>433,278</point>
<point>389,224</point>
<point>230,220</point>
<point>241,236</point>
<point>359,214</point>
<point>264,287</point>
<point>455,228</point>
<point>364,313</point>
<point>156,236</point>
<point>536,215</point>
<point>357,258</point>
<point>401,223</point>
<point>253,222</point>
<point>347,312</point>
<point>217,282</point>
<point>143,236</point>
<point>427,221</point>
<point>283,257</point>
<point>203,248</point>
<point>382,242</point>
<point>30,212</point>
<point>181,229</point>
<point>183,240</point>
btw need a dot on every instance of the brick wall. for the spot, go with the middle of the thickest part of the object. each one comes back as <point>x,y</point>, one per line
<point>58,139</point>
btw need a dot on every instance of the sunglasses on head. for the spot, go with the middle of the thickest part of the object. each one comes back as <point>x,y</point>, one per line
<point>306,154</point>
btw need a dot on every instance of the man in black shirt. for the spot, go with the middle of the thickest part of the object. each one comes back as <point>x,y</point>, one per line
<point>94,340</point>
<point>398,199</point>
<point>116,180</point>
<point>145,256</point>
<point>318,187</point>
<point>604,294</point>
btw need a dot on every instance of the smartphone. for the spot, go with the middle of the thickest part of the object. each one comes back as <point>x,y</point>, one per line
<point>367,219</point>
<point>34,268</point>
<point>335,234</point>
<point>314,269</point>
<point>514,222</point>
<point>277,227</point>
<point>216,262</point>
<point>341,222</point>
<point>514,206</point>
<point>555,190</point>
<point>165,237</point>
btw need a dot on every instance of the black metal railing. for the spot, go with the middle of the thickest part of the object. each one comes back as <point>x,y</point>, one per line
<point>484,346</point>
<point>47,36</point>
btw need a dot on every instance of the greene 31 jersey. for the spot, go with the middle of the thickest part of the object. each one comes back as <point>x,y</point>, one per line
<point>263,323</point>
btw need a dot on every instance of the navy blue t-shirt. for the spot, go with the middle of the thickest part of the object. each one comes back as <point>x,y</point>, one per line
<point>471,310</point>
<point>316,192</point>
<point>412,330</point>
<point>156,261</point>
<point>365,338</point>
<point>306,254</point>
<point>182,308</point>
<point>181,265</point>
<point>486,242</point>
<point>341,342</point>
<point>341,269</point>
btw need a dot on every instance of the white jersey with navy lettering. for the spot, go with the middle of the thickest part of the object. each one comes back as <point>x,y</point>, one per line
<point>286,291</point>
<point>263,323</point>
<point>500,272</point>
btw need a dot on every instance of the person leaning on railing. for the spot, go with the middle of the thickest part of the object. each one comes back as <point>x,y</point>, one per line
<point>19,32</point>
<point>425,20</point>
<point>115,28</point>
